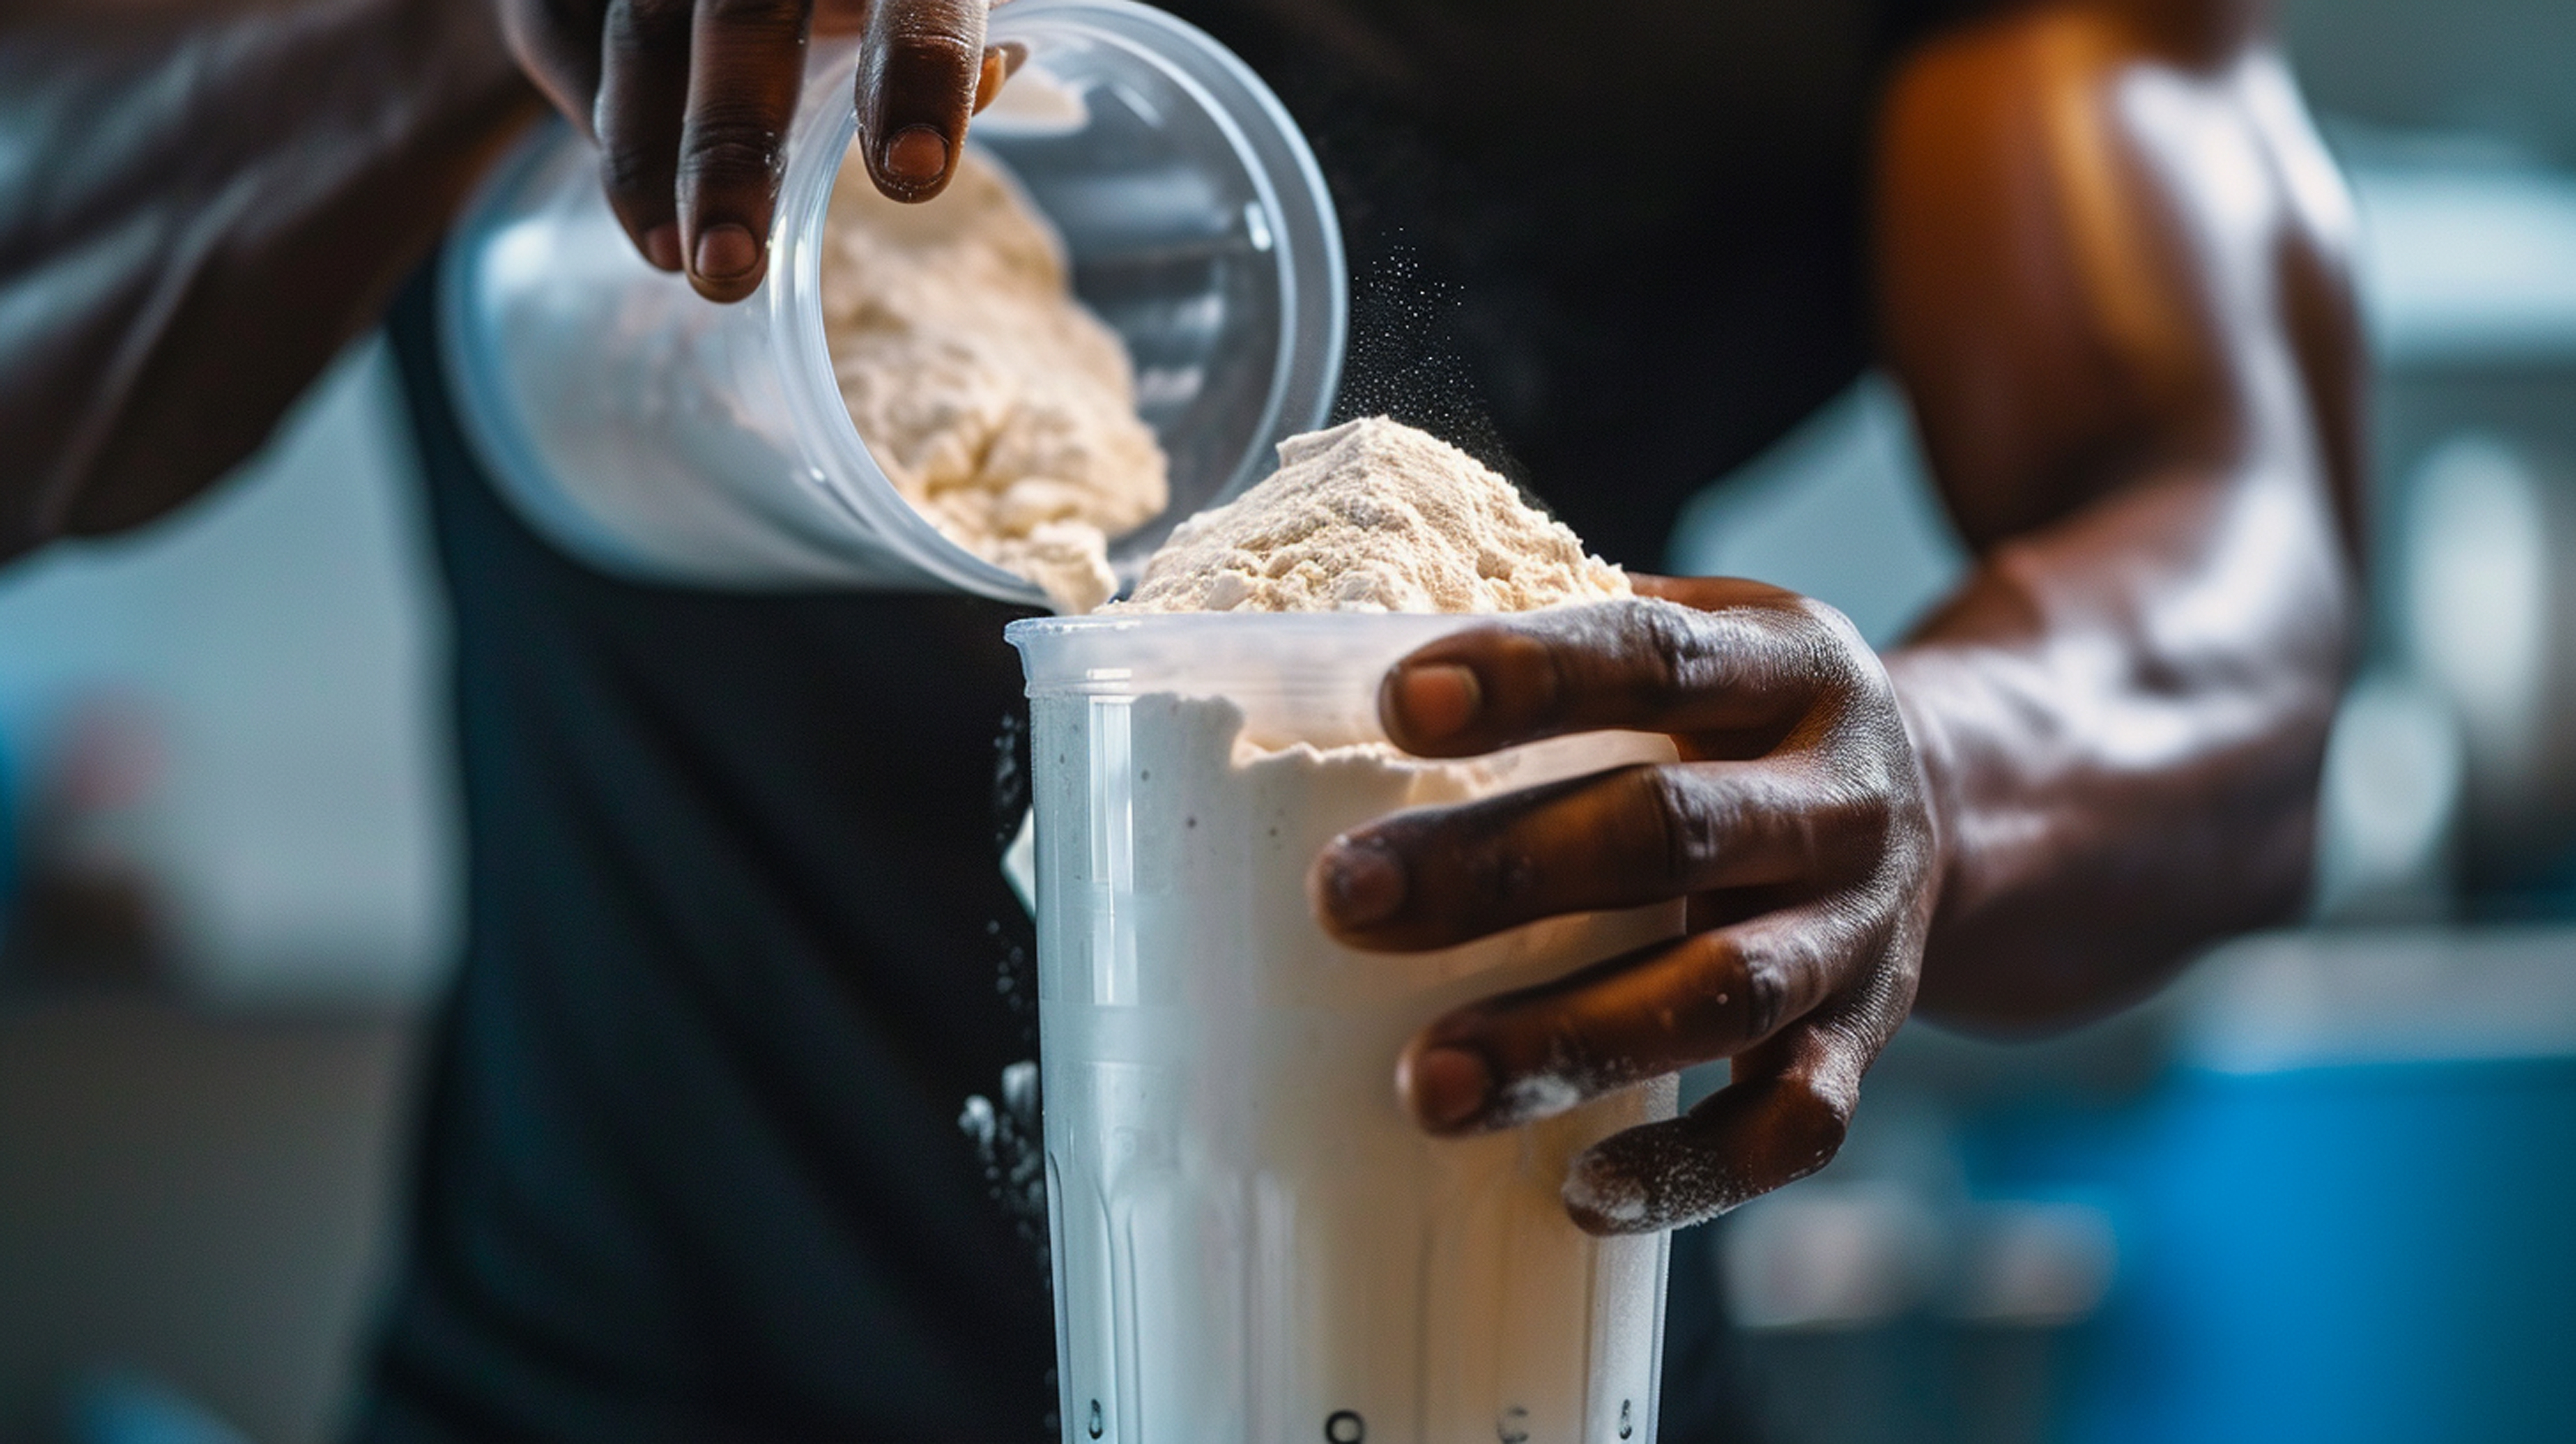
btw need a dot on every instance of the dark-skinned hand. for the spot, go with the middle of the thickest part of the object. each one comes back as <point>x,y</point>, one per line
<point>691,100</point>
<point>1795,823</point>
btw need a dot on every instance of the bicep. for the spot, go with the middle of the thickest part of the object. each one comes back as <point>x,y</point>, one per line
<point>2097,262</point>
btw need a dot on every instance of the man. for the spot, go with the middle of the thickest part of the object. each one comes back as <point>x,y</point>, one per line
<point>688,1167</point>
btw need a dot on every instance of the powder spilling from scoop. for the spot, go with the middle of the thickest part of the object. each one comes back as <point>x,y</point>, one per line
<point>1001,410</point>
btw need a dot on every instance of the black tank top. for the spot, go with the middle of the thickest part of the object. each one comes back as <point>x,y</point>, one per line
<point>739,950</point>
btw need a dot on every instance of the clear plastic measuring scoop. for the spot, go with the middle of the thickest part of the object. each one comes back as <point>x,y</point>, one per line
<point>660,436</point>
<point>1252,1241</point>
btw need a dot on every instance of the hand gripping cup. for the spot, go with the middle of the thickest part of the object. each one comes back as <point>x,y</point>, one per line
<point>1253,1243</point>
<point>660,436</point>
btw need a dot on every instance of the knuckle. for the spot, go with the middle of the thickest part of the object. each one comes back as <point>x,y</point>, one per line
<point>1861,814</point>
<point>1832,645</point>
<point>1666,654</point>
<point>1682,842</point>
<point>1764,979</point>
<point>1825,622</point>
<point>727,142</point>
<point>638,176</point>
<point>931,50</point>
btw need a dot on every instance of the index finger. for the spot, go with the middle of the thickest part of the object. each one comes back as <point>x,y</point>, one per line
<point>921,65</point>
<point>1738,674</point>
<point>747,64</point>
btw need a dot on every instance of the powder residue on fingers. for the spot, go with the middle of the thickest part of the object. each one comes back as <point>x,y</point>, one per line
<point>1003,411</point>
<point>1374,516</point>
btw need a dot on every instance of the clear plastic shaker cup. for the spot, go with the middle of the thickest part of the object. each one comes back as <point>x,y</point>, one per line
<point>661,436</point>
<point>1252,1241</point>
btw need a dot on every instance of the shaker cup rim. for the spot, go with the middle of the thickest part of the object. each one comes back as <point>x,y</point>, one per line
<point>1300,659</point>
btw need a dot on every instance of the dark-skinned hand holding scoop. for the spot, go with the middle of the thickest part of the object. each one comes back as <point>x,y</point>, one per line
<point>691,102</point>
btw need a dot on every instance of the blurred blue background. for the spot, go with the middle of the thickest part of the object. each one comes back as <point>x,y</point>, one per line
<point>2317,1192</point>
<point>2320,1190</point>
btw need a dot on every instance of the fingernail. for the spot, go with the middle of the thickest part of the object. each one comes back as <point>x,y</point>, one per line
<point>1449,1086</point>
<point>1438,699</point>
<point>662,246</point>
<point>726,251</point>
<point>1363,882</point>
<point>917,153</point>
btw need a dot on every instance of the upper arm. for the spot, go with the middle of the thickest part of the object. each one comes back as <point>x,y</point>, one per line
<point>206,200</point>
<point>2105,247</point>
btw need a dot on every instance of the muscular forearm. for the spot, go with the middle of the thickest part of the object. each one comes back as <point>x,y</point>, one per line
<point>197,213</point>
<point>2113,260</point>
<point>2121,719</point>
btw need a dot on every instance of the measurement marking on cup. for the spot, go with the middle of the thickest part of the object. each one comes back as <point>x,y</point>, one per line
<point>1345,1427</point>
<point>1095,1419</point>
<point>1627,1424</point>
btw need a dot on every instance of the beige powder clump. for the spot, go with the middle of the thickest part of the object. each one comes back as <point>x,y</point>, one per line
<point>1003,411</point>
<point>1374,516</point>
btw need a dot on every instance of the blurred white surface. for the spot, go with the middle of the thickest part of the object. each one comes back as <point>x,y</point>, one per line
<point>2387,826</point>
<point>282,637</point>
<point>1835,1254</point>
<point>2032,1263</point>
<point>2486,552</point>
<point>2477,560</point>
<point>2468,258</point>
<point>1827,1255</point>
<point>2308,999</point>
